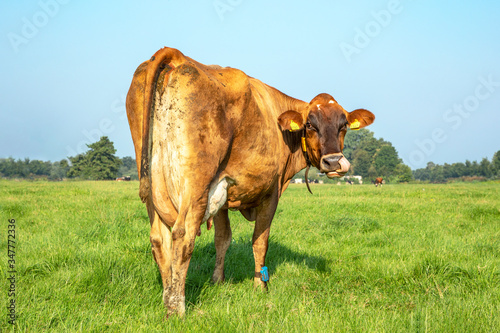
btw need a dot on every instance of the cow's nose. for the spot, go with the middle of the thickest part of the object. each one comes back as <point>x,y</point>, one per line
<point>330,162</point>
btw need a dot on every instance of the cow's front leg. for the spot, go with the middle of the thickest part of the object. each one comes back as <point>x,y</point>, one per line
<point>222,242</point>
<point>265,214</point>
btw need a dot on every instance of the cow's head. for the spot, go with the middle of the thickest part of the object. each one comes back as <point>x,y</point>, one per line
<point>324,129</point>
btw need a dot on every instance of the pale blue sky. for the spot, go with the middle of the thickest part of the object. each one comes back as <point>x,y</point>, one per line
<point>430,71</point>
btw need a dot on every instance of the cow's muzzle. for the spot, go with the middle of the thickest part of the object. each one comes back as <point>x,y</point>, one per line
<point>334,165</point>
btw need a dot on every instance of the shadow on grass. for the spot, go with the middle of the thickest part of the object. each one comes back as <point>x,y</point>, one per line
<point>239,264</point>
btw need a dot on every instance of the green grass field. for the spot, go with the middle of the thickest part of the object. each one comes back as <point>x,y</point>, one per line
<point>401,258</point>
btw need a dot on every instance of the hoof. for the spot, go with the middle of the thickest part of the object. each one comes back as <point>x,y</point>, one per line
<point>175,305</point>
<point>259,284</point>
<point>217,279</point>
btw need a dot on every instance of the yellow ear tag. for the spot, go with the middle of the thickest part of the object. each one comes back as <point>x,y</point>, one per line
<point>294,126</point>
<point>355,125</point>
<point>304,147</point>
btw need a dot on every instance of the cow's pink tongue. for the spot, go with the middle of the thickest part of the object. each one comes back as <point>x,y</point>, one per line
<point>344,165</point>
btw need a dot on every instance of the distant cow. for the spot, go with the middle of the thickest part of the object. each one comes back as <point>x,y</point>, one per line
<point>124,178</point>
<point>208,139</point>
<point>378,181</point>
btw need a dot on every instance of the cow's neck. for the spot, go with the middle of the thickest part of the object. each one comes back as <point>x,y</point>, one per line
<point>294,160</point>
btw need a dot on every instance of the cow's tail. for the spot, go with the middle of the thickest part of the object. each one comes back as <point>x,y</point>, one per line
<point>161,60</point>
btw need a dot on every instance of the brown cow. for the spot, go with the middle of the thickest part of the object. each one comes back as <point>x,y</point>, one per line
<point>208,139</point>
<point>379,181</point>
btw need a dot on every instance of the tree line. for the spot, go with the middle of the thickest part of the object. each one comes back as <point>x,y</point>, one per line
<point>98,163</point>
<point>468,171</point>
<point>370,158</point>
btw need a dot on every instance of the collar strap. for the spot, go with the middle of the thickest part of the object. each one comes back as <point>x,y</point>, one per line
<point>308,161</point>
<point>304,147</point>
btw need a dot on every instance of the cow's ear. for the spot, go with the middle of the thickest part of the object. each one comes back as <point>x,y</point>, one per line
<point>291,121</point>
<point>360,118</point>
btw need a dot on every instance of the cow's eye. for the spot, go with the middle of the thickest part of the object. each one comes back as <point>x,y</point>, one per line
<point>309,126</point>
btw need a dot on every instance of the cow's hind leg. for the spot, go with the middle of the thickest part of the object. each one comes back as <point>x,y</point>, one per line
<point>161,245</point>
<point>222,242</point>
<point>183,238</point>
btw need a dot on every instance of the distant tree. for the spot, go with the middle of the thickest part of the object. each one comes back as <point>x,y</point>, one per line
<point>386,160</point>
<point>437,174</point>
<point>6,166</point>
<point>474,169</point>
<point>372,173</point>
<point>458,170</point>
<point>425,174</point>
<point>495,164</point>
<point>421,174</point>
<point>39,168</point>
<point>128,168</point>
<point>361,162</point>
<point>354,140</point>
<point>23,168</point>
<point>59,170</point>
<point>79,166</point>
<point>128,162</point>
<point>468,168</point>
<point>402,173</point>
<point>16,169</point>
<point>103,163</point>
<point>447,171</point>
<point>484,168</point>
<point>371,145</point>
<point>35,167</point>
<point>98,163</point>
<point>64,163</point>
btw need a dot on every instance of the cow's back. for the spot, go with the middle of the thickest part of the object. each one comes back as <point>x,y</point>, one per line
<point>211,124</point>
